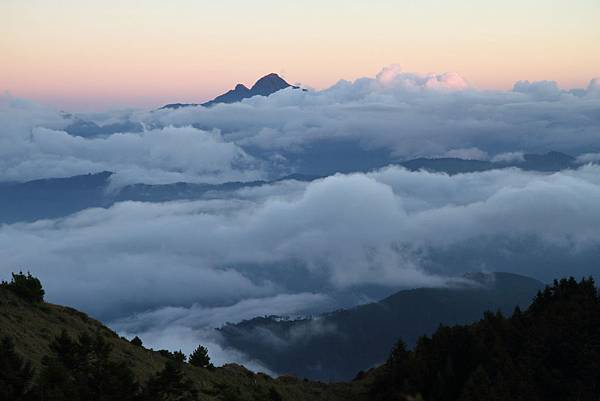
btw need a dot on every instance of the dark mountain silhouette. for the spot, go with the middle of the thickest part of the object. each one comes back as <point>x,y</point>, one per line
<point>89,129</point>
<point>57,197</point>
<point>335,346</point>
<point>52,197</point>
<point>551,161</point>
<point>268,84</point>
<point>235,95</point>
<point>449,165</point>
<point>265,86</point>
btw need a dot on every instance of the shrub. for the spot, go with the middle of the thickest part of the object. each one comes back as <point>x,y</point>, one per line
<point>26,287</point>
<point>136,341</point>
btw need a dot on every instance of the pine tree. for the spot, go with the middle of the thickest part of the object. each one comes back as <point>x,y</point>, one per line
<point>200,357</point>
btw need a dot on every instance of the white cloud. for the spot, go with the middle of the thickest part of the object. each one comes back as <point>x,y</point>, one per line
<point>540,90</point>
<point>467,154</point>
<point>588,158</point>
<point>509,157</point>
<point>166,154</point>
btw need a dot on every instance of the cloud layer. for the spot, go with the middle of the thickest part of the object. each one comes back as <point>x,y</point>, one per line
<point>368,122</point>
<point>171,271</point>
<point>341,232</point>
<point>34,145</point>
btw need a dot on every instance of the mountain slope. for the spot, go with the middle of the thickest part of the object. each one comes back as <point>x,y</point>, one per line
<point>337,345</point>
<point>33,326</point>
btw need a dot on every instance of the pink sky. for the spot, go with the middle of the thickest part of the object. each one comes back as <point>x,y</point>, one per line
<point>88,55</point>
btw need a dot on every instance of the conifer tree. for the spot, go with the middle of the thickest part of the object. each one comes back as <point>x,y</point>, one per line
<point>200,357</point>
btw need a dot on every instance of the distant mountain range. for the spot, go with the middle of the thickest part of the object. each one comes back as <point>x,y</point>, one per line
<point>265,86</point>
<point>548,162</point>
<point>335,346</point>
<point>57,197</point>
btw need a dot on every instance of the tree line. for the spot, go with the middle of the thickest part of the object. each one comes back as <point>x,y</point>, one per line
<point>549,352</point>
<point>82,369</point>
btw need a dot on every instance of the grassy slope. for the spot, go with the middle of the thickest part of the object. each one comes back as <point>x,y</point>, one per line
<point>33,327</point>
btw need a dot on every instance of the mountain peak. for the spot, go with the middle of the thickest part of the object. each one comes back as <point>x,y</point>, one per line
<point>265,86</point>
<point>269,84</point>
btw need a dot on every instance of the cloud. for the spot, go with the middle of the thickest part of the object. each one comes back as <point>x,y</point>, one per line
<point>199,316</point>
<point>509,157</point>
<point>588,158</point>
<point>540,90</point>
<point>593,88</point>
<point>34,145</point>
<point>388,74</point>
<point>393,76</point>
<point>467,154</point>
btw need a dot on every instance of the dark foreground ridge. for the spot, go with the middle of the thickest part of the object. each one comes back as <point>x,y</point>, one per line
<point>55,353</point>
<point>265,86</point>
<point>551,351</point>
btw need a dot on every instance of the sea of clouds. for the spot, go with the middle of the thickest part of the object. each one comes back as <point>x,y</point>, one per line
<point>170,272</point>
<point>400,115</point>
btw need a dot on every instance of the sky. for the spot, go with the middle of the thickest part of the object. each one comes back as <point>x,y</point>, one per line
<point>95,55</point>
